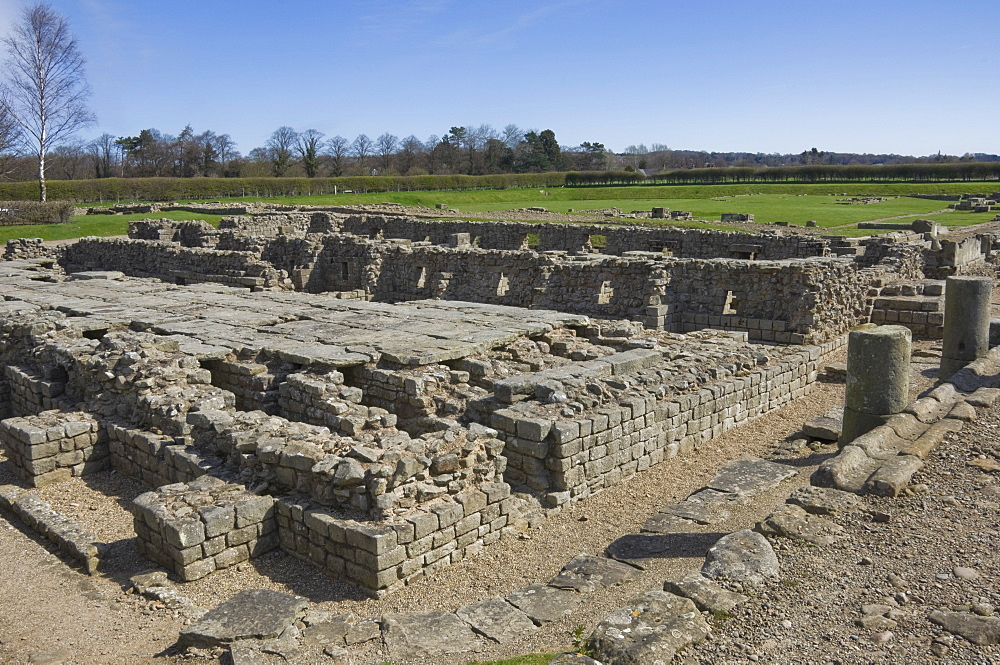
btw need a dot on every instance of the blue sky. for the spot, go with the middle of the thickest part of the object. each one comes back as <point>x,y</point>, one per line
<point>911,77</point>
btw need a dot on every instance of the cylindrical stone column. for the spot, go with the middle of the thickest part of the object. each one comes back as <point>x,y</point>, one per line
<point>966,322</point>
<point>878,378</point>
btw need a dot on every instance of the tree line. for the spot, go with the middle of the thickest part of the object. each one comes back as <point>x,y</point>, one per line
<point>474,150</point>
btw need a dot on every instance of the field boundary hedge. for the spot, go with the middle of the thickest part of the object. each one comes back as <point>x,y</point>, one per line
<point>18,213</point>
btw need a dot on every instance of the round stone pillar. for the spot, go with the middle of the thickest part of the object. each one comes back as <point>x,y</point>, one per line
<point>878,378</point>
<point>966,322</point>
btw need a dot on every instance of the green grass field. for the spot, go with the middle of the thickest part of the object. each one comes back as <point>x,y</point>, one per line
<point>92,225</point>
<point>796,204</point>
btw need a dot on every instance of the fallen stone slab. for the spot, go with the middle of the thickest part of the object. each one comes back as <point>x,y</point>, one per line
<point>743,556</point>
<point>978,630</point>
<point>987,464</point>
<point>332,631</point>
<point>983,398</point>
<point>933,437</point>
<point>893,476</point>
<point>496,619</point>
<point>824,500</point>
<point>704,593</point>
<point>667,523</point>
<point>791,521</point>
<point>427,635</point>
<point>251,614</point>
<point>749,475</point>
<point>544,603</point>
<point>586,573</point>
<point>650,629</point>
<point>848,471</point>
<point>826,427</point>
<point>963,411</point>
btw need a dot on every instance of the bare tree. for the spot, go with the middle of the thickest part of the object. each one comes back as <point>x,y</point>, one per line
<point>46,89</point>
<point>226,147</point>
<point>512,135</point>
<point>9,141</point>
<point>103,153</point>
<point>337,148</point>
<point>410,150</point>
<point>280,147</point>
<point>386,146</point>
<point>310,143</point>
<point>362,147</point>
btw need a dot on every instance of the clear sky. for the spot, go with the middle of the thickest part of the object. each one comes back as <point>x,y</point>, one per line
<point>897,76</point>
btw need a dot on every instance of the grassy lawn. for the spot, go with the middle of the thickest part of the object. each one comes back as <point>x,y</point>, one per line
<point>92,225</point>
<point>796,204</point>
<point>766,208</point>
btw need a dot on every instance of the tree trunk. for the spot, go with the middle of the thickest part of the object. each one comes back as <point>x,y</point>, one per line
<point>41,178</point>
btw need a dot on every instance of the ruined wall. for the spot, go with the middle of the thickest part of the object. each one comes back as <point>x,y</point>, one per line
<point>168,260</point>
<point>686,243</point>
<point>569,458</point>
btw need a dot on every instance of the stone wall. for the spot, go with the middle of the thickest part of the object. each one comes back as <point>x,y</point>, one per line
<point>570,458</point>
<point>169,261</point>
<point>54,446</point>
<point>196,528</point>
<point>687,243</point>
<point>383,558</point>
<point>21,249</point>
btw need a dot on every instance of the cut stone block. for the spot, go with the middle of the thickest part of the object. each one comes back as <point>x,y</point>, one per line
<point>250,614</point>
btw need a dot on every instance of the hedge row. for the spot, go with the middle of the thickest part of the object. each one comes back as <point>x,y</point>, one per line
<point>15,213</point>
<point>958,172</point>
<point>173,189</point>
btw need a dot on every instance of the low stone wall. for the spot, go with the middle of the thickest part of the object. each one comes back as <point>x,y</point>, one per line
<point>54,446</point>
<point>155,459</point>
<point>69,536</point>
<point>20,249</point>
<point>196,528</point>
<point>32,392</point>
<point>383,558</point>
<point>144,258</point>
<point>687,243</point>
<point>571,458</point>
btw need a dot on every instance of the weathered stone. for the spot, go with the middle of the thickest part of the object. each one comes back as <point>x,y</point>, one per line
<point>667,523</point>
<point>878,378</point>
<point>650,629</point>
<point>706,594</point>
<point>743,556</point>
<point>791,521</point>
<point>250,614</point>
<point>586,573</point>
<point>966,322</point>
<point>427,635</point>
<point>826,427</point>
<point>892,477</point>
<point>824,500</point>
<point>496,619</point>
<point>978,630</point>
<point>543,603</point>
<point>749,475</point>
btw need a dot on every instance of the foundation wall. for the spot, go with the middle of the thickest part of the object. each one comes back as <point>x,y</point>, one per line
<point>571,459</point>
<point>54,446</point>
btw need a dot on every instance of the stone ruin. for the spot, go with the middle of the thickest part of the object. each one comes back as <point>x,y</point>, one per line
<point>381,396</point>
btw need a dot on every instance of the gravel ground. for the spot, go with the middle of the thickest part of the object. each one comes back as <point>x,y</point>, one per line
<point>820,593</point>
<point>934,549</point>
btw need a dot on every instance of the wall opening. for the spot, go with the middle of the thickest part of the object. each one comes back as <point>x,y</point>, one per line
<point>606,293</point>
<point>421,276</point>
<point>503,285</point>
<point>730,305</point>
